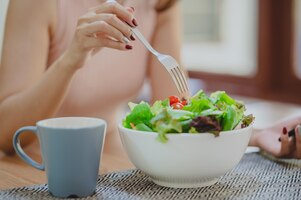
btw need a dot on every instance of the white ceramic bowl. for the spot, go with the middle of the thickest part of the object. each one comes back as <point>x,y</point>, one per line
<point>186,160</point>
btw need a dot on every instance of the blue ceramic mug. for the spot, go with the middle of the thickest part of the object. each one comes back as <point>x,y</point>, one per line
<point>71,151</point>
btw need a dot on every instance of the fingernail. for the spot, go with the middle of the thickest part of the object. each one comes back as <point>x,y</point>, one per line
<point>128,46</point>
<point>134,22</point>
<point>132,37</point>
<point>284,130</point>
<point>125,40</point>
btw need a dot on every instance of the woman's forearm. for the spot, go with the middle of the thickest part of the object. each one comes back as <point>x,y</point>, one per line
<point>37,102</point>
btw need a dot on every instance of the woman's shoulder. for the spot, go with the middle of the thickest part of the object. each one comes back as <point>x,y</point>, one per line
<point>32,12</point>
<point>31,8</point>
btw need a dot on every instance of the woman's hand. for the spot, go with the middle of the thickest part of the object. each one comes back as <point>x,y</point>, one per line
<point>102,26</point>
<point>268,140</point>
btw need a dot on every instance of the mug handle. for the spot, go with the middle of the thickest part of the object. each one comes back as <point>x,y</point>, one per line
<point>20,151</point>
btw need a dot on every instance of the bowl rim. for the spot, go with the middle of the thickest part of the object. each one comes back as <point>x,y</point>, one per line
<point>235,131</point>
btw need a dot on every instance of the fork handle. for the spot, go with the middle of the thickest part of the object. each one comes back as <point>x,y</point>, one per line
<point>144,41</point>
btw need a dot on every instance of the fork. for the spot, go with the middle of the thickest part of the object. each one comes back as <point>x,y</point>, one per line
<point>170,64</point>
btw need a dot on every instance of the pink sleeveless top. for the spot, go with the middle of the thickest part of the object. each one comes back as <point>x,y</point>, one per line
<point>111,77</point>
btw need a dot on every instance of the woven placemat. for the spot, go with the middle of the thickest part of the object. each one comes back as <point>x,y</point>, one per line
<point>255,177</point>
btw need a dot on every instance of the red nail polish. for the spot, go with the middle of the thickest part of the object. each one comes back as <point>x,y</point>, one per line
<point>284,130</point>
<point>128,46</point>
<point>132,37</point>
<point>135,22</point>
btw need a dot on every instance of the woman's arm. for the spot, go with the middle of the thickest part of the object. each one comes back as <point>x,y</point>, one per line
<point>25,47</point>
<point>29,92</point>
<point>167,40</point>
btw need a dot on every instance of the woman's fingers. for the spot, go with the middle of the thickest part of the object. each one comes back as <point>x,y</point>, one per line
<point>117,9</point>
<point>131,9</point>
<point>112,20</point>
<point>102,27</point>
<point>286,148</point>
<point>298,142</point>
<point>95,43</point>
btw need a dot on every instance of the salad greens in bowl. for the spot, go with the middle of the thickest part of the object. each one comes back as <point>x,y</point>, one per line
<point>199,114</point>
<point>186,142</point>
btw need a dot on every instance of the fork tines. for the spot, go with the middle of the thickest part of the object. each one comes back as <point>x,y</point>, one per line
<point>179,79</point>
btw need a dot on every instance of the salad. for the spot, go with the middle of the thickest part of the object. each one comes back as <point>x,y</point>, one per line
<point>198,114</point>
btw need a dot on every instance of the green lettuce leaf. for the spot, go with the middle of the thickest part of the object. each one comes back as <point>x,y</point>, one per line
<point>143,127</point>
<point>221,96</point>
<point>141,114</point>
<point>166,122</point>
<point>158,106</point>
<point>228,120</point>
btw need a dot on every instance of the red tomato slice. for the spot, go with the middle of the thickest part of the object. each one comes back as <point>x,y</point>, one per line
<point>173,99</point>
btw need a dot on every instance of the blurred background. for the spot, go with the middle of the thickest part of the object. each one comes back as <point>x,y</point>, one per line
<point>248,48</point>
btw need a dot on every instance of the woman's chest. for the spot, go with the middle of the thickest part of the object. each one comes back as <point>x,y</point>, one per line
<point>109,78</point>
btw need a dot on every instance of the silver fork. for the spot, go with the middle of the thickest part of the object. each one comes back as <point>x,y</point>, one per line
<point>170,64</point>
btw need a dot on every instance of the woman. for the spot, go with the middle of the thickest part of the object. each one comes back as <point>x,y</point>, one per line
<point>61,58</point>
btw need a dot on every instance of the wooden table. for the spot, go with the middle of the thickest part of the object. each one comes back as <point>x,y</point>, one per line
<point>14,172</point>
